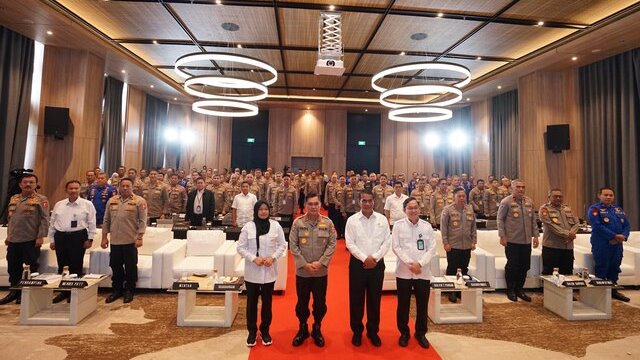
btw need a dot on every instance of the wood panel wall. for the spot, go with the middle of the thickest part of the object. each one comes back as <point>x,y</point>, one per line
<point>335,141</point>
<point>480,154</point>
<point>134,128</point>
<point>73,79</point>
<point>547,98</point>
<point>279,138</point>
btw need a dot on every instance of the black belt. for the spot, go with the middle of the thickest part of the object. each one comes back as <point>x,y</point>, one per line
<point>70,232</point>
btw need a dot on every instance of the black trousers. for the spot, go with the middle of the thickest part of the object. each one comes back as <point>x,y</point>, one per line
<point>336,217</point>
<point>287,223</point>
<point>458,259</point>
<point>518,263</point>
<point>123,260</point>
<point>560,258</point>
<point>365,285</point>
<point>301,198</point>
<point>420,289</point>
<point>19,254</point>
<point>305,286</point>
<point>70,250</point>
<point>255,291</point>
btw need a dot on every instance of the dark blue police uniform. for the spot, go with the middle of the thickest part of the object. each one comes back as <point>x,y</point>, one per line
<point>606,223</point>
<point>99,196</point>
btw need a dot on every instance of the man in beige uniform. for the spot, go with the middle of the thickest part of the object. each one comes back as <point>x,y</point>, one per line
<point>254,187</point>
<point>233,189</point>
<point>126,221</point>
<point>219,191</point>
<point>439,199</point>
<point>261,182</point>
<point>380,194</point>
<point>28,226</point>
<point>560,226</point>
<point>312,242</point>
<point>138,185</point>
<point>476,199</point>
<point>422,193</point>
<point>272,192</point>
<point>491,202</point>
<point>177,203</point>
<point>350,200</point>
<point>459,235</point>
<point>505,189</point>
<point>91,178</point>
<point>517,229</point>
<point>286,200</point>
<point>313,185</point>
<point>155,194</point>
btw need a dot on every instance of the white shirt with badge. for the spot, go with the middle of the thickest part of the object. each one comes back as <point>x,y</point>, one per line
<point>395,206</point>
<point>70,216</point>
<point>413,243</point>
<point>272,244</point>
<point>244,207</point>
<point>366,237</point>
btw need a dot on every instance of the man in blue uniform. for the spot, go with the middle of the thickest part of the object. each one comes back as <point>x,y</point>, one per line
<point>610,228</point>
<point>99,193</point>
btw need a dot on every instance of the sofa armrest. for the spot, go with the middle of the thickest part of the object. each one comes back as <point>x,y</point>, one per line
<point>172,253</point>
<point>631,257</point>
<point>479,261</point>
<point>490,266</point>
<point>48,262</point>
<point>220,256</point>
<point>283,264</point>
<point>583,258</point>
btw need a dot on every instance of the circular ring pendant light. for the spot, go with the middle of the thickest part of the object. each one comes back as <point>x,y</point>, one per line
<point>422,66</point>
<point>224,82</point>
<point>438,114</point>
<point>420,90</point>
<point>218,56</point>
<point>205,107</point>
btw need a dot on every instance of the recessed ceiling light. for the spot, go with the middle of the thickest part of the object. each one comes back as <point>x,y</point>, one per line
<point>49,32</point>
<point>366,91</point>
<point>239,46</point>
<point>314,89</point>
<point>574,58</point>
<point>596,50</point>
<point>219,2</point>
<point>251,70</point>
<point>105,74</point>
<point>229,26</point>
<point>332,7</point>
<point>418,36</point>
<point>151,86</point>
<point>540,23</point>
<point>366,110</point>
<point>155,42</point>
<point>402,53</point>
<point>468,99</point>
<point>440,14</point>
<point>123,71</point>
<point>308,107</point>
<point>479,58</point>
<point>175,99</point>
<point>499,86</point>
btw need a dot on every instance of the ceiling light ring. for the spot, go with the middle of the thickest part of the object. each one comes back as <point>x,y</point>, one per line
<point>442,114</point>
<point>200,106</point>
<point>422,66</point>
<point>421,90</point>
<point>221,81</point>
<point>220,56</point>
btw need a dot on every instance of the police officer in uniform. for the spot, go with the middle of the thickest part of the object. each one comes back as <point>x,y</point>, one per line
<point>340,219</point>
<point>219,191</point>
<point>99,194</point>
<point>272,191</point>
<point>504,190</point>
<point>27,228</point>
<point>286,200</point>
<point>459,235</point>
<point>476,199</point>
<point>517,229</point>
<point>312,242</point>
<point>91,178</point>
<point>177,203</point>
<point>126,221</point>
<point>560,226</point>
<point>422,193</point>
<point>610,228</point>
<point>155,193</point>
<point>491,202</point>
<point>330,198</point>
<point>439,199</point>
<point>300,184</point>
<point>380,194</point>
<point>351,200</point>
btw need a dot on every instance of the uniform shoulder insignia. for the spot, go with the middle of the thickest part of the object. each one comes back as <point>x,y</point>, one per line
<point>594,211</point>
<point>544,211</point>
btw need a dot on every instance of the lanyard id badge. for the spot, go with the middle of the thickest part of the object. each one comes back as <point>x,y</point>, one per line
<point>420,242</point>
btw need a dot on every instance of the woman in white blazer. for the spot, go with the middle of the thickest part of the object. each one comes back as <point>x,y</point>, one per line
<point>261,243</point>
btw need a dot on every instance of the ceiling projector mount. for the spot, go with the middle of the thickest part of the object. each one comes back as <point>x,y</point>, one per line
<point>330,52</point>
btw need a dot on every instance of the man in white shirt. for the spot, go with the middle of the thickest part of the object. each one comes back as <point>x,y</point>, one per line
<point>71,231</point>
<point>414,244</point>
<point>242,207</point>
<point>393,208</point>
<point>368,239</point>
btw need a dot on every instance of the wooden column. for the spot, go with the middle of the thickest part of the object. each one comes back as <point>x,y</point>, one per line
<point>134,128</point>
<point>73,79</point>
<point>480,153</point>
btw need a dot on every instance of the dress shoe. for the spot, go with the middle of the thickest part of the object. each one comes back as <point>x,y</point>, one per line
<point>11,296</point>
<point>62,296</point>
<point>113,297</point>
<point>523,296</point>
<point>404,340</point>
<point>251,339</point>
<point>266,338</point>
<point>316,334</point>
<point>356,339</point>
<point>512,295</point>
<point>128,296</point>
<point>422,340</point>
<point>453,297</point>
<point>375,339</point>
<point>301,336</point>
<point>615,294</point>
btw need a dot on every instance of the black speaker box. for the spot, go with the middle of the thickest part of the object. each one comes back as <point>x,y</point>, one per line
<point>56,121</point>
<point>557,137</point>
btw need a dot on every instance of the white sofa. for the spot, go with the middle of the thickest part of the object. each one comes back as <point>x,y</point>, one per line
<point>633,240</point>
<point>150,259</point>
<point>390,263</point>
<point>489,243</point>
<point>630,266</point>
<point>201,253</point>
<point>477,263</point>
<point>234,266</point>
<point>91,264</point>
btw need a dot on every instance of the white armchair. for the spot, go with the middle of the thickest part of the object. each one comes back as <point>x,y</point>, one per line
<point>495,259</point>
<point>234,266</point>
<point>630,266</point>
<point>149,259</point>
<point>202,252</point>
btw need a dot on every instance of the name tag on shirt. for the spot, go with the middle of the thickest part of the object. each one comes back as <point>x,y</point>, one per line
<point>420,244</point>
<point>74,223</point>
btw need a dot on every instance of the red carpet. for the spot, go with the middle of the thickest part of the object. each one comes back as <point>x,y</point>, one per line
<point>335,326</point>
